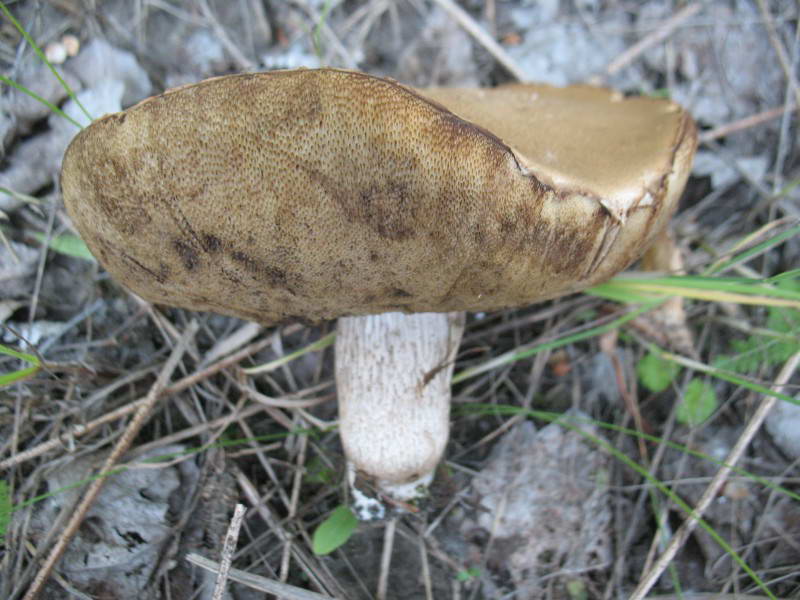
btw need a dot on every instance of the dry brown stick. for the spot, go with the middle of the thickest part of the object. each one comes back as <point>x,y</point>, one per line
<point>319,577</point>
<point>744,123</point>
<point>228,548</point>
<point>282,590</point>
<point>122,445</point>
<point>79,430</point>
<point>685,530</point>
<point>386,559</point>
<point>221,423</point>
<point>659,35</point>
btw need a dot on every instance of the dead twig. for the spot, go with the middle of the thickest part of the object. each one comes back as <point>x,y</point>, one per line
<point>77,431</point>
<point>282,590</point>
<point>656,37</point>
<point>122,445</point>
<point>242,62</point>
<point>386,559</point>
<point>745,123</point>
<point>317,574</point>
<point>297,484</point>
<point>228,548</point>
<point>688,526</point>
<point>484,39</point>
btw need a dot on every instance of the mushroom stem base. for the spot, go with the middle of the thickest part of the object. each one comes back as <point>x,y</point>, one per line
<point>393,376</point>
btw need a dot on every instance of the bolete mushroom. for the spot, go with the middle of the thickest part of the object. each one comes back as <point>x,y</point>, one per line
<point>322,194</point>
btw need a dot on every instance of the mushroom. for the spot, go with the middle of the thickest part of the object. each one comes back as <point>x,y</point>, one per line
<point>322,194</point>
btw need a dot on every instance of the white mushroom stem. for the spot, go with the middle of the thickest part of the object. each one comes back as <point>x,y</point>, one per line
<point>393,374</point>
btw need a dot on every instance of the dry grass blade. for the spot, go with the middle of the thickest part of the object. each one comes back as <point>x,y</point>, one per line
<point>282,590</point>
<point>386,559</point>
<point>270,442</point>
<point>316,573</point>
<point>745,123</point>
<point>683,533</point>
<point>658,36</point>
<point>228,548</point>
<point>483,38</point>
<point>81,430</point>
<point>119,449</point>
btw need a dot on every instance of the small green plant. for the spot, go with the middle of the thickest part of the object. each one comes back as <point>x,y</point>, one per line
<point>68,244</point>
<point>656,373</point>
<point>334,531</point>
<point>468,574</point>
<point>316,34</point>
<point>771,345</point>
<point>576,589</point>
<point>319,473</point>
<point>698,403</point>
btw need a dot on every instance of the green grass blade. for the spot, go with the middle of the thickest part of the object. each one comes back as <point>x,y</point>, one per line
<point>16,376</point>
<point>573,424</point>
<point>727,376</point>
<point>495,410</point>
<point>741,290</point>
<point>19,196</point>
<point>515,355</point>
<point>20,374</point>
<point>31,358</point>
<point>279,362</point>
<point>678,501</point>
<point>43,58</point>
<point>793,274</point>
<point>755,250</point>
<point>38,98</point>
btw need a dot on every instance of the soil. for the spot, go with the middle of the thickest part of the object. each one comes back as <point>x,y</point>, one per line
<point>596,523</point>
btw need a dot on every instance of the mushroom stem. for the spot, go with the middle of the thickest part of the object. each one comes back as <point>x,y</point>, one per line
<point>393,375</point>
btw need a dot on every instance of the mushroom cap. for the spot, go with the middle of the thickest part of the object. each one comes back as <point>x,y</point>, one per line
<point>312,194</point>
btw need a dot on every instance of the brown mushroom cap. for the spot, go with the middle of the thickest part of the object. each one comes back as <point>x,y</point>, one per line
<point>314,194</point>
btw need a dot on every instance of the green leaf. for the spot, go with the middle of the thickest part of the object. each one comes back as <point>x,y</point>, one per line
<point>698,404</point>
<point>468,574</point>
<point>317,472</point>
<point>334,531</point>
<point>748,354</point>
<point>576,589</point>
<point>656,373</point>
<point>69,244</point>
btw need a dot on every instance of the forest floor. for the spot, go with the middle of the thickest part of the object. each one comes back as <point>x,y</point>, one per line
<point>664,399</point>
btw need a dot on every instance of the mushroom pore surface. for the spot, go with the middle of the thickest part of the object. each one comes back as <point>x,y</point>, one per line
<point>313,194</point>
